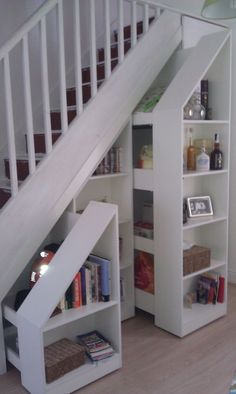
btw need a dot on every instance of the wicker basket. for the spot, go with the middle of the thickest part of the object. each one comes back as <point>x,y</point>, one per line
<point>61,357</point>
<point>195,259</point>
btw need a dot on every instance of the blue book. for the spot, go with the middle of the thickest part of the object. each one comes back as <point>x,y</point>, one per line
<point>83,285</point>
<point>105,274</point>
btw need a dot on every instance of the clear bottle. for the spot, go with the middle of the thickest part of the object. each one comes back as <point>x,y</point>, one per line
<point>203,161</point>
<point>191,153</point>
<point>216,157</point>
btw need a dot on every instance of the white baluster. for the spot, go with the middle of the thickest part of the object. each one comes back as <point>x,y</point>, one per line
<point>120,8</point>
<point>64,119</point>
<point>146,18</point>
<point>157,12</point>
<point>133,23</point>
<point>93,57</point>
<point>10,127</point>
<point>107,39</point>
<point>28,105</point>
<point>45,87</point>
<point>78,71</point>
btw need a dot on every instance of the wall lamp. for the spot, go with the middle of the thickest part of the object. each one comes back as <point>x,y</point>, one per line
<point>219,9</point>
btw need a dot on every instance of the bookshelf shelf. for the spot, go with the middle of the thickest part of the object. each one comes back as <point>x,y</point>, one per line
<point>145,244</point>
<point>192,174</point>
<point>204,221</point>
<point>206,122</point>
<point>214,265</point>
<point>143,179</point>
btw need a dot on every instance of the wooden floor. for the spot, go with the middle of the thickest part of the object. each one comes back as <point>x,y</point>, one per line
<point>155,362</point>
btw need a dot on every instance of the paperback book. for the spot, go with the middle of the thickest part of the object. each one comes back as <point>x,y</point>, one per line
<point>97,347</point>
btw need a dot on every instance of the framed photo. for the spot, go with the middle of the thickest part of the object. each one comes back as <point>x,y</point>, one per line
<point>199,206</point>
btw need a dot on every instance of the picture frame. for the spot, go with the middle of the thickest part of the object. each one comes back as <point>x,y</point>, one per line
<point>199,206</point>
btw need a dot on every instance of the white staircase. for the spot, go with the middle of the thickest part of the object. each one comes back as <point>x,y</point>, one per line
<point>41,199</point>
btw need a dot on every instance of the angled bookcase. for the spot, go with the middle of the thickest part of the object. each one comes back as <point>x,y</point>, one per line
<point>169,184</point>
<point>34,327</point>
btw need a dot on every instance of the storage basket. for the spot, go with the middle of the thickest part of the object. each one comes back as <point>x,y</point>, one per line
<point>195,259</point>
<point>61,357</point>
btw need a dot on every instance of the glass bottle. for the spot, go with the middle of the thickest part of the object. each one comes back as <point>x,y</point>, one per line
<point>203,160</point>
<point>191,153</point>
<point>216,157</point>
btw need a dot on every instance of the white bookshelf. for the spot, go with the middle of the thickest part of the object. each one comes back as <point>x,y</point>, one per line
<point>34,327</point>
<point>117,189</point>
<point>169,184</point>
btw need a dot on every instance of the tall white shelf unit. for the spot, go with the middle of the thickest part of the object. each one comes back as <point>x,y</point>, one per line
<point>210,59</point>
<point>32,323</point>
<point>116,188</point>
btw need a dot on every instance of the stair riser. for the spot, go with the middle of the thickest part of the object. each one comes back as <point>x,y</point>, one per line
<point>127,30</point>
<point>4,197</point>
<point>114,51</point>
<point>22,169</point>
<point>39,142</point>
<point>56,119</point>
<point>86,90</point>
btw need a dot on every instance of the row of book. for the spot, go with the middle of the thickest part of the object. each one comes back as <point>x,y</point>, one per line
<point>90,284</point>
<point>210,288</point>
<point>96,346</point>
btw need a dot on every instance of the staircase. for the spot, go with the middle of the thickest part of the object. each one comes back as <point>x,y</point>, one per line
<point>39,183</point>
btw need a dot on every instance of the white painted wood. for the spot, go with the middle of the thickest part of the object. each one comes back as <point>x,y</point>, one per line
<point>93,55</point>
<point>62,70</point>
<point>78,69</point>
<point>146,18</point>
<point>28,106</point>
<point>95,130</point>
<point>10,127</point>
<point>120,8</point>
<point>31,321</point>
<point>45,87</point>
<point>143,179</point>
<point>107,39</point>
<point>170,314</point>
<point>145,301</point>
<point>133,23</point>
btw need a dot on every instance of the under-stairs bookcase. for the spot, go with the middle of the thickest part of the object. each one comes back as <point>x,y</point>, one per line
<point>167,184</point>
<point>116,187</point>
<point>34,327</point>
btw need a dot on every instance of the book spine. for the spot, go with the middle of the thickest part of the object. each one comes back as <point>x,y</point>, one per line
<point>76,291</point>
<point>221,291</point>
<point>83,285</point>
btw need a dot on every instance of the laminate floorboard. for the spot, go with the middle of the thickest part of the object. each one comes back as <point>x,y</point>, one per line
<point>156,362</point>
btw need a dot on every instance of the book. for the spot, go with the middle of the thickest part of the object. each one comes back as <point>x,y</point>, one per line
<point>144,272</point>
<point>220,297</point>
<point>96,346</point>
<point>83,285</point>
<point>105,274</point>
<point>76,286</point>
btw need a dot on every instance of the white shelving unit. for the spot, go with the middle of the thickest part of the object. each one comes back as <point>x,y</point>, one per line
<point>169,184</point>
<point>32,323</point>
<point>117,189</point>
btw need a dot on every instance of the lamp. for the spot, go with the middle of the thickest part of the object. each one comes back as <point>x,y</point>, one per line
<point>219,9</point>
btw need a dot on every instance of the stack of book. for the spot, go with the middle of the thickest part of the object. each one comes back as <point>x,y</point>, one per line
<point>210,288</point>
<point>95,345</point>
<point>90,284</point>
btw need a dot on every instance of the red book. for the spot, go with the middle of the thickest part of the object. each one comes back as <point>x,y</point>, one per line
<point>221,291</point>
<point>77,295</point>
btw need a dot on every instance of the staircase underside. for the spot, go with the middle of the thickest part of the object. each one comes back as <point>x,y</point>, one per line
<point>27,219</point>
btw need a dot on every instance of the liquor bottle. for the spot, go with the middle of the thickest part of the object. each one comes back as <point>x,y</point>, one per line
<point>203,160</point>
<point>216,158</point>
<point>191,153</point>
